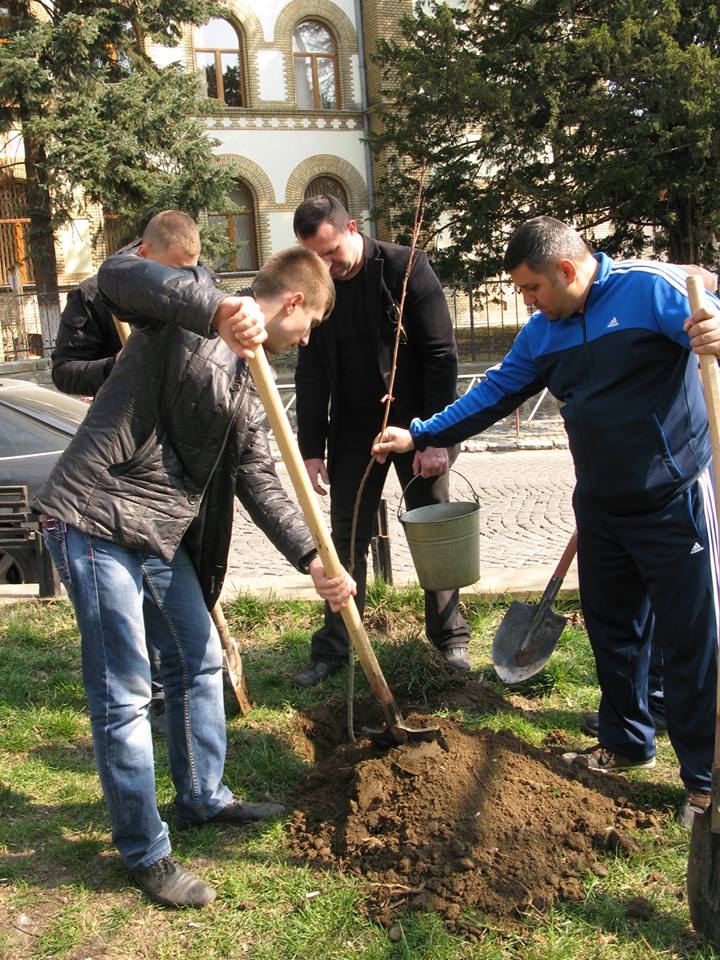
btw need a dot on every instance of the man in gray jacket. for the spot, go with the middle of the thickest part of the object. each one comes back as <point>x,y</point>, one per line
<point>142,499</point>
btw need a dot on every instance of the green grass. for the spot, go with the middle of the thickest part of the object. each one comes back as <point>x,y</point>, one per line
<point>64,894</point>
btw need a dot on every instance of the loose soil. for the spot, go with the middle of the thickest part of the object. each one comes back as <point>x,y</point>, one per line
<point>478,821</point>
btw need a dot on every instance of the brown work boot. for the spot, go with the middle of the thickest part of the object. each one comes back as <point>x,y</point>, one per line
<point>694,801</point>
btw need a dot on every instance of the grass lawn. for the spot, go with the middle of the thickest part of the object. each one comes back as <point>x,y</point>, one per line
<point>64,893</point>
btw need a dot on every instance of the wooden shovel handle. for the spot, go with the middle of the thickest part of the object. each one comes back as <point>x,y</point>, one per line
<point>270,397</point>
<point>711,389</point>
<point>123,329</point>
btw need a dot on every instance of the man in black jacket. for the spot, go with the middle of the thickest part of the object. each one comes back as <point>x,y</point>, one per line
<point>143,498</point>
<point>346,367</point>
<point>86,348</point>
<point>87,342</point>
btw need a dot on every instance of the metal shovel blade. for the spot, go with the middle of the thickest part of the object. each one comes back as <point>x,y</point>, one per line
<point>525,640</point>
<point>703,878</point>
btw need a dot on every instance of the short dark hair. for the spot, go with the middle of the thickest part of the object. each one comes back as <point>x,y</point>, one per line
<point>542,242</point>
<point>317,210</point>
<point>297,268</point>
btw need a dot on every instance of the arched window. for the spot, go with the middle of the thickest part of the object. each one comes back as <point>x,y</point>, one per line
<point>219,61</point>
<point>327,186</point>
<point>239,227</point>
<point>316,81</point>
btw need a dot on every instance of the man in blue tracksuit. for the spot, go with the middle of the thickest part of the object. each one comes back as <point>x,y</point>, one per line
<point>613,342</point>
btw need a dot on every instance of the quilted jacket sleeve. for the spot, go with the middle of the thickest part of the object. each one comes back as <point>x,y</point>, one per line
<point>86,343</point>
<point>143,291</point>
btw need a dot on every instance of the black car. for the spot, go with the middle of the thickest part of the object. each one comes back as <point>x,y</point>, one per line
<point>36,424</point>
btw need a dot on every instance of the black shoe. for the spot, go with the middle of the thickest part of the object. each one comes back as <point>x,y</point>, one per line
<point>659,721</point>
<point>157,714</point>
<point>457,656</point>
<point>169,883</point>
<point>591,725</point>
<point>241,811</point>
<point>314,671</point>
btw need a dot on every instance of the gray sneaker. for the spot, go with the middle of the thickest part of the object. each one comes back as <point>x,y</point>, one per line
<point>169,883</point>
<point>601,760</point>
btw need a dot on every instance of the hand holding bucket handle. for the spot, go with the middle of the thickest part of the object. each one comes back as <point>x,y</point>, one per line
<point>444,541</point>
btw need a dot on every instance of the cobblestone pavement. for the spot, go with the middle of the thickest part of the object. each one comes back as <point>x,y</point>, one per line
<point>525,521</point>
<point>524,483</point>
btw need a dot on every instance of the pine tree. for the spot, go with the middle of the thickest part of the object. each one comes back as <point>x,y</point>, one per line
<point>585,110</point>
<point>99,120</point>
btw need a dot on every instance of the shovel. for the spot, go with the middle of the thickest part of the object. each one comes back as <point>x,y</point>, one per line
<point>230,647</point>
<point>529,632</point>
<point>703,877</point>
<point>396,730</point>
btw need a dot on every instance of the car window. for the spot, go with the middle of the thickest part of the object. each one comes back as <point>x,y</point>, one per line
<point>21,436</point>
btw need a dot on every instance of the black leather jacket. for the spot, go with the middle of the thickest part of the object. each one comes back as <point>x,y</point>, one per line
<point>427,361</point>
<point>175,431</point>
<point>86,343</point>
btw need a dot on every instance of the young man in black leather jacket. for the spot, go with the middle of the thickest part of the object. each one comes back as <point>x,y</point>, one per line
<point>142,499</point>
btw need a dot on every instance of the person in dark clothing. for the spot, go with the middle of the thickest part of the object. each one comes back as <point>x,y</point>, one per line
<point>87,342</point>
<point>614,341</point>
<point>86,348</point>
<point>142,501</point>
<point>346,367</point>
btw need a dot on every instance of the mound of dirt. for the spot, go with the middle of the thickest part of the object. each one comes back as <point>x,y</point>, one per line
<point>479,821</point>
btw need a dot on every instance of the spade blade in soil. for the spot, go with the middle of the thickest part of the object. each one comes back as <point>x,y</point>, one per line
<point>703,879</point>
<point>525,640</point>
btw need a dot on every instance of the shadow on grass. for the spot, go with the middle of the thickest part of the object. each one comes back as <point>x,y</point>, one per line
<point>658,928</point>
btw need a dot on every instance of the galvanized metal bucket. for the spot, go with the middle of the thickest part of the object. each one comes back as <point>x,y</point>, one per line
<point>444,541</point>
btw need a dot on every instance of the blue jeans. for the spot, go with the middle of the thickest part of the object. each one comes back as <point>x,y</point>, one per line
<point>106,584</point>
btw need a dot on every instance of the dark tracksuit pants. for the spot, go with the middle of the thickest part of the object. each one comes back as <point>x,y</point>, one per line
<point>661,563</point>
<point>444,624</point>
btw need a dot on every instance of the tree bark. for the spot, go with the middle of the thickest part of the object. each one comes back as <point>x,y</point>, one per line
<point>41,238</point>
<point>42,244</point>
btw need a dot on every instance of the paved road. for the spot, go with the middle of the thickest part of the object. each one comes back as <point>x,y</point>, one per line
<point>525,521</point>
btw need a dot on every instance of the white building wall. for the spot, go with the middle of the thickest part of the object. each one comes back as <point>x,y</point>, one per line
<point>278,152</point>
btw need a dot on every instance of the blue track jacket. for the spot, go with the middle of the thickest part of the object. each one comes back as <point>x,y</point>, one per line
<point>633,403</point>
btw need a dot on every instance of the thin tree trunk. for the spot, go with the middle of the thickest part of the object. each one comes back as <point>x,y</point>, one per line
<point>682,234</point>
<point>42,244</point>
<point>41,237</point>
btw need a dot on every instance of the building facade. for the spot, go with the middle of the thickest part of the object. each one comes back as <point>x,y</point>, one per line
<point>291,88</point>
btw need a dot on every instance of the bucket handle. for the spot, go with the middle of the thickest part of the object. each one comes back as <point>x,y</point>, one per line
<point>417,476</point>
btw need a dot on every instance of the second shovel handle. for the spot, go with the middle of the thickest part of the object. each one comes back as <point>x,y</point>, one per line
<point>568,555</point>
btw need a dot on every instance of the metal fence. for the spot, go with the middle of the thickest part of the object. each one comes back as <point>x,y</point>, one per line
<point>21,335</point>
<point>486,316</point>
